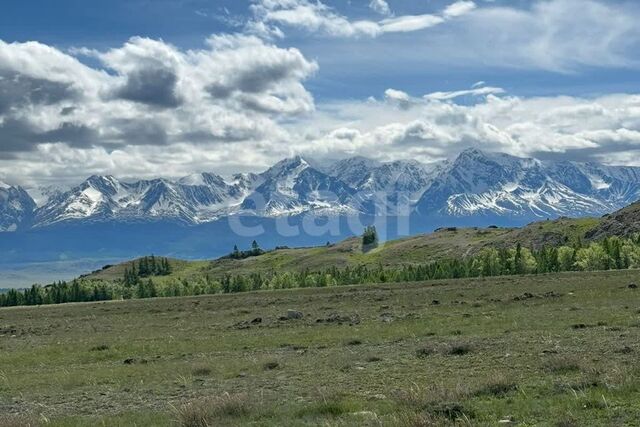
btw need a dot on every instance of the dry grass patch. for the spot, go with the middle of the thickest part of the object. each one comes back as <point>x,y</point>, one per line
<point>209,412</point>
<point>498,387</point>
<point>437,402</point>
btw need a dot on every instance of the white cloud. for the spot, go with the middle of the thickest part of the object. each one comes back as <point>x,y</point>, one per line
<point>604,129</point>
<point>476,91</point>
<point>397,95</point>
<point>556,35</point>
<point>380,6</point>
<point>409,23</point>
<point>599,129</point>
<point>459,8</point>
<point>316,17</point>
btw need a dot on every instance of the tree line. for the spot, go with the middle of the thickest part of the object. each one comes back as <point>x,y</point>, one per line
<point>609,254</point>
<point>146,267</point>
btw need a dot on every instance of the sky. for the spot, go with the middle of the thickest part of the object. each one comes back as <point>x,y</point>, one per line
<point>148,88</point>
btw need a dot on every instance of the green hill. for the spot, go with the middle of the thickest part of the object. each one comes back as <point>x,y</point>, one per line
<point>419,249</point>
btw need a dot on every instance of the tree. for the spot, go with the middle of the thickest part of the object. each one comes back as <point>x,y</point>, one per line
<point>518,265</point>
<point>592,258</point>
<point>566,258</point>
<point>369,238</point>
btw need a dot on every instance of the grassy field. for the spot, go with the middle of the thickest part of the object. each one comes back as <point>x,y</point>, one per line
<point>556,350</point>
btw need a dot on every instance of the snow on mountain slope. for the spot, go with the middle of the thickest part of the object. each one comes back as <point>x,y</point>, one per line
<point>41,195</point>
<point>386,188</point>
<point>16,208</point>
<point>292,187</point>
<point>194,199</point>
<point>479,183</point>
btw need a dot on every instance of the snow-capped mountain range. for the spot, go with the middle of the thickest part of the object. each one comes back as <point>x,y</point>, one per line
<point>475,183</point>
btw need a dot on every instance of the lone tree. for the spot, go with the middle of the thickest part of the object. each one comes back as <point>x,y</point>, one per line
<point>369,238</point>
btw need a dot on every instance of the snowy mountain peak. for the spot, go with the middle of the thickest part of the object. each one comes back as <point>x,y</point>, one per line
<point>103,184</point>
<point>202,179</point>
<point>287,166</point>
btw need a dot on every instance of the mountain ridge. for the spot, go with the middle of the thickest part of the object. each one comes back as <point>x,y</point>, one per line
<point>475,183</point>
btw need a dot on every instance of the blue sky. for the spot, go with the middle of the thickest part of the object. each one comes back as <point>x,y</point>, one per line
<point>141,88</point>
<point>349,68</point>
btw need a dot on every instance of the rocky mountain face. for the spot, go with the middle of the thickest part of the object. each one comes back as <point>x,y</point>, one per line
<point>16,208</point>
<point>473,184</point>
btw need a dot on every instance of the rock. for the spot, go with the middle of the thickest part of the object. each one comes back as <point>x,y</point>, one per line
<point>294,315</point>
<point>386,317</point>
<point>242,325</point>
<point>633,286</point>
<point>525,296</point>
<point>270,366</point>
<point>256,320</point>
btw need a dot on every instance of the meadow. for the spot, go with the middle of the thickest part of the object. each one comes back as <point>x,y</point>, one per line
<point>546,350</point>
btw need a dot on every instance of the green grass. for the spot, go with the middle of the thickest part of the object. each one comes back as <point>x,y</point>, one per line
<point>487,356</point>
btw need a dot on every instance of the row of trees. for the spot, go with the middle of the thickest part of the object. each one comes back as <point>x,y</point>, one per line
<point>609,254</point>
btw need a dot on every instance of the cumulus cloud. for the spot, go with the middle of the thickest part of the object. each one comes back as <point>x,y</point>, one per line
<point>316,17</point>
<point>149,93</point>
<point>588,129</point>
<point>605,129</point>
